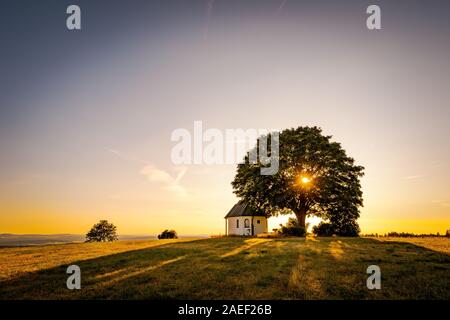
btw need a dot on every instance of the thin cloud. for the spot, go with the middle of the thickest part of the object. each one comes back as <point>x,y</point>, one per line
<point>445,204</point>
<point>436,164</point>
<point>155,175</point>
<point>125,156</point>
<point>170,183</point>
<point>280,8</point>
<point>414,177</point>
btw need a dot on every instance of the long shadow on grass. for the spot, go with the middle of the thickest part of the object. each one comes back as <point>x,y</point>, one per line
<point>240,268</point>
<point>102,277</point>
<point>230,268</point>
<point>336,269</point>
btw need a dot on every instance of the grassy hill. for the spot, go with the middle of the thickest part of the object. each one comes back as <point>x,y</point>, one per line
<point>227,268</point>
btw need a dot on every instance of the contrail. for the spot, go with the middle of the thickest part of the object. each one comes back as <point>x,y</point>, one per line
<point>209,9</point>
<point>280,8</point>
<point>125,157</point>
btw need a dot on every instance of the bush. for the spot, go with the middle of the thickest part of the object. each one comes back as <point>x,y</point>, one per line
<point>323,229</point>
<point>347,229</point>
<point>292,229</point>
<point>168,234</point>
<point>102,232</point>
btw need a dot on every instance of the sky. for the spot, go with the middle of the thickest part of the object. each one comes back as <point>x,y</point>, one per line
<point>86,116</point>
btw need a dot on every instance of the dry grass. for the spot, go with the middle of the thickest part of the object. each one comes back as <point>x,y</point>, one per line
<point>434,243</point>
<point>17,261</point>
<point>227,268</point>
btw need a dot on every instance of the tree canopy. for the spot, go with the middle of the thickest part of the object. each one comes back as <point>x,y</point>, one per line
<point>168,234</point>
<point>315,177</point>
<point>101,232</point>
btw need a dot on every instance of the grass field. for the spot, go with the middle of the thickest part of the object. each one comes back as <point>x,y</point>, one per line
<point>228,268</point>
<point>438,244</point>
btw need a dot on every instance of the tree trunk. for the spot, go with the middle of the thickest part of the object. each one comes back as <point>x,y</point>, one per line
<point>301,218</point>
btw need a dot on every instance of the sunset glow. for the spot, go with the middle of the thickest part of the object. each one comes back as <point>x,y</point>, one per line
<point>305,180</point>
<point>86,118</point>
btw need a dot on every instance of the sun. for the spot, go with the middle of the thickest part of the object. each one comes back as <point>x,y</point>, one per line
<point>305,180</point>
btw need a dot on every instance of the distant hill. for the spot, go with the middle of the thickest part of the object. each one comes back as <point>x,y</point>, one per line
<point>13,240</point>
<point>36,239</point>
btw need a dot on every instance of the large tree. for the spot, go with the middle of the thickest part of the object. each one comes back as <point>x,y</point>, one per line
<point>315,177</point>
<point>102,231</point>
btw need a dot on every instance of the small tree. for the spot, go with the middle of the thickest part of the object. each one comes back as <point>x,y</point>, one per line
<point>168,234</point>
<point>102,232</point>
<point>447,234</point>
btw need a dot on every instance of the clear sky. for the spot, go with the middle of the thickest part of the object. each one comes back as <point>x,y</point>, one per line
<point>86,116</point>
